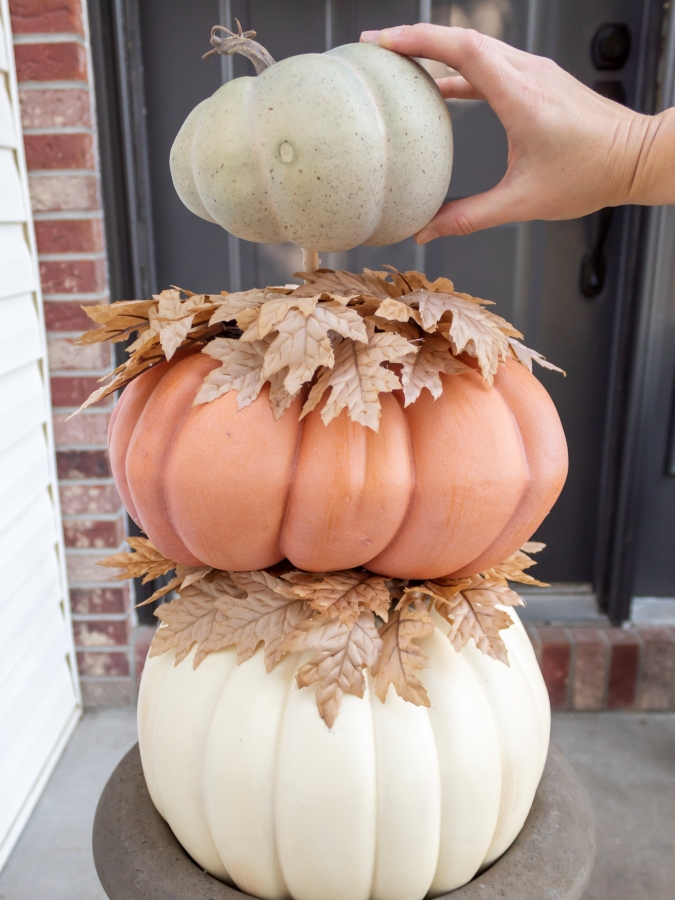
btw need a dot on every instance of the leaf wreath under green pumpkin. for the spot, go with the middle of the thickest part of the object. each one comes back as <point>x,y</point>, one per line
<point>339,333</point>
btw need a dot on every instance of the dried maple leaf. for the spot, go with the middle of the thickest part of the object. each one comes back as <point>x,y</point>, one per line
<point>513,568</point>
<point>400,657</point>
<point>473,613</point>
<point>143,559</point>
<point>358,378</point>
<point>471,328</point>
<point>190,618</point>
<point>345,284</point>
<point>398,311</point>
<point>424,370</point>
<point>185,576</point>
<point>302,343</point>
<point>259,612</point>
<point>526,356</point>
<point>280,398</point>
<point>170,321</point>
<point>272,313</point>
<point>118,320</point>
<point>342,595</point>
<point>240,371</point>
<point>338,665</point>
<point>242,306</point>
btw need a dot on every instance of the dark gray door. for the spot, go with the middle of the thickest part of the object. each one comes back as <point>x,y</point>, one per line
<point>532,271</point>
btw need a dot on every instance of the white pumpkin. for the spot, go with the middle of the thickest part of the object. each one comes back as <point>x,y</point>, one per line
<point>328,150</point>
<point>393,803</point>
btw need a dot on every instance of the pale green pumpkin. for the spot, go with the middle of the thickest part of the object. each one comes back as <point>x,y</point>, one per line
<point>328,150</point>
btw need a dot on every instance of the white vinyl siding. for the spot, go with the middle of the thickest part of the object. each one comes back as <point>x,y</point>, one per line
<point>39,693</point>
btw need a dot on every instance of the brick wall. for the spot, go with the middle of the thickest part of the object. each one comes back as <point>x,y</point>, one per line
<point>57,108</point>
<point>607,668</point>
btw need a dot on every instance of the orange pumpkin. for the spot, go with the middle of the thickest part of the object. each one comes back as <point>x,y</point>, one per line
<point>451,486</point>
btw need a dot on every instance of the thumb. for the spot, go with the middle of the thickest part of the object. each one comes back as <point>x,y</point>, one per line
<point>470,214</point>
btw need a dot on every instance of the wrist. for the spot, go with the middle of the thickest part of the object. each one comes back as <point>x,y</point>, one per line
<point>652,181</point>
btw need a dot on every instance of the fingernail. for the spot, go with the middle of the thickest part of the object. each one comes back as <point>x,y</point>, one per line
<point>426,235</point>
<point>370,37</point>
<point>393,32</point>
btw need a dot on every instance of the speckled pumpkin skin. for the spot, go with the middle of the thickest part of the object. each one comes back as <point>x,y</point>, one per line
<point>328,150</point>
<point>451,486</point>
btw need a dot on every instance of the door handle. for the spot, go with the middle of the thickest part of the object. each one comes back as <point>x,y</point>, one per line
<point>594,263</point>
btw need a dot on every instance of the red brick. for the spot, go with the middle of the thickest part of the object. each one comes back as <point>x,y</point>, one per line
<point>555,664</point>
<point>73,276</point>
<point>51,62</point>
<point>89,499</point>
<point>623,668</point>
<point>85,534</point>
<point>67,315</point>
<point>69,235</point>
<point>59,151</point>
<point>102,664</point>
<point>92,601</point>
<point>101,634</point>
<point>53,193</point>
<point>591,658</point>
<point>55,108</point>
<point>88,428</point>
<point>141,638</point>
<point>658,662</point>
<point>65,354</point>
<point>72,464</point>
<point>69,390</point>
<point>45,16</point>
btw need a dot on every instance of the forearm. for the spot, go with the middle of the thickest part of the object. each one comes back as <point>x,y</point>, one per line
<point>653,182</point>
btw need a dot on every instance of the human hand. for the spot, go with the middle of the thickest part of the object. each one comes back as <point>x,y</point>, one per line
<point>571,151</point>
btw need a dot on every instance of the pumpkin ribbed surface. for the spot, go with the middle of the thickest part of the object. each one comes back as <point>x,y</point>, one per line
<point>328,150</point>
<point>451,486</point>
<point>394,802</point>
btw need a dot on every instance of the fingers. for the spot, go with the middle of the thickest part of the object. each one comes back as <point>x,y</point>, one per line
<point>481,60</point>
<point>461,217</point>
<point>458,88</point>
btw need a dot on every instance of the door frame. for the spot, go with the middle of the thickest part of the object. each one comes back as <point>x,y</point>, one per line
<point>118,65</point>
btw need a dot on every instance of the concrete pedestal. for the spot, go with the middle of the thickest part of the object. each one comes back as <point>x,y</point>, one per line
<point>138,858</point>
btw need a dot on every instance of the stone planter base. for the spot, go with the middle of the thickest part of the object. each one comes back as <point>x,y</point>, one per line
<point>138,858</point>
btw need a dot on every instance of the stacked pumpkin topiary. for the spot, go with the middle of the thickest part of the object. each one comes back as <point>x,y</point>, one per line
<point>343,471</point>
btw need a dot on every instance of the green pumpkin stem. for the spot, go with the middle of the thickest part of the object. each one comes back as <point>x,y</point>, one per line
<point>241,42</point>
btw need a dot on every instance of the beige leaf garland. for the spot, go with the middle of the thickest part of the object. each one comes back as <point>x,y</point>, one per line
<point>400,659</point>
<point>473,612</point>
<point>242,306</point>
<point>513,568</point>
<point>526,356</point>
<point>186,621</point>
<point>424,370</point>
<point>170,321</point>
<point>260,613</point>
<point>117,320</point>
<point>471,328</point>
<point>302,343</point>
<point>347,284</point>
<point>280,398</point>
<point>342,595</point>
<point>142,559</point>
<point>240,371</point>
<point>331,612</point>
<point>397,311</point>
<point>342,654</point>
<point>358,377</point>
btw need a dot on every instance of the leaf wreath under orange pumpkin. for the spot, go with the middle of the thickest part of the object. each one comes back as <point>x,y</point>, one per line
<point>353,619</point>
